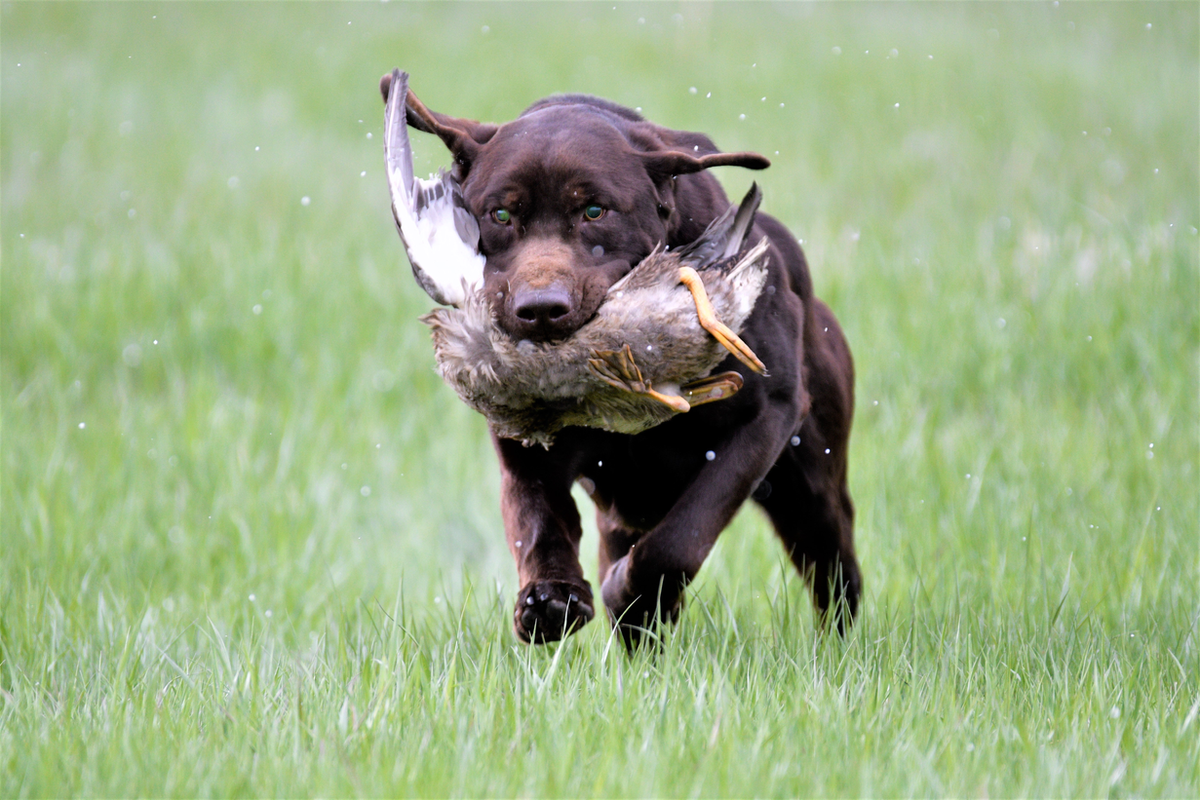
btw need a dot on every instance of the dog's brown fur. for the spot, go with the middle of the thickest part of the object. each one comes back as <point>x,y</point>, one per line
<point>662,496</point>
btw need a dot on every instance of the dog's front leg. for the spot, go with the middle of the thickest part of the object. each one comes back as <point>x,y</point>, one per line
<point>542,526</point>
<point>646,584</point>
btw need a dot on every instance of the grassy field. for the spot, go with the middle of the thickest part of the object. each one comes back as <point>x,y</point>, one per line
<point>251,545</point>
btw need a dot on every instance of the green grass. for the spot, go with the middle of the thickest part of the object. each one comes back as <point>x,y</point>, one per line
<point>251,545</point>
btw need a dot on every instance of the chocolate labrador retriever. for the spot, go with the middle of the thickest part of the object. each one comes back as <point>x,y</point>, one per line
<point>569,197</point>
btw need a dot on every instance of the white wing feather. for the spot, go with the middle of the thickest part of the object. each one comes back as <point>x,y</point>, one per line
<point>439,234</point>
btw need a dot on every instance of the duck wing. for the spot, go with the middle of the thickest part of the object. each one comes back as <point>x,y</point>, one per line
<point>440,235</point>
<point>724,236</point>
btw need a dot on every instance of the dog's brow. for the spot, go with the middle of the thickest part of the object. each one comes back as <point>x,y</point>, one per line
<point>510,197</point>
<point>579,191</point>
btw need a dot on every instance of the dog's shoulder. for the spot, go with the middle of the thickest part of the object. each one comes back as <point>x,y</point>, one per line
<point>589,102</point>
<point>792,258</point>
<point>641,132</point>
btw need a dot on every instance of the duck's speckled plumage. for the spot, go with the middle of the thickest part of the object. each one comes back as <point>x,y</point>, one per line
<point>530,391</point>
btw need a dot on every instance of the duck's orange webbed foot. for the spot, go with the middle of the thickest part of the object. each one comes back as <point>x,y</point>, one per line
<point>618,369</point>
<point>712,388</point>
<point>711,323</point>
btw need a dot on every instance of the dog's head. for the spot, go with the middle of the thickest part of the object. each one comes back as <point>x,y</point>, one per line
<point>570,196</point>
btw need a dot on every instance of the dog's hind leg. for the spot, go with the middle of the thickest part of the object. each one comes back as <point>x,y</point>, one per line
<point>809,505</point>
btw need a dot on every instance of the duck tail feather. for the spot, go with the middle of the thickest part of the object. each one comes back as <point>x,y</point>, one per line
<point>751,257</point>
<point>743,221</point>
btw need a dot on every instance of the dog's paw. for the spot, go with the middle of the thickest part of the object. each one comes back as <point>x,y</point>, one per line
<point>546,611</point>
<point>635,613</point>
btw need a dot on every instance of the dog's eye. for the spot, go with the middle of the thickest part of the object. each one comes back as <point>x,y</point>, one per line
<point>502,216</point>
<point>593,213</point>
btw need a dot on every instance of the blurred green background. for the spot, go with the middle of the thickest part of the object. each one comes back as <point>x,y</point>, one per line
<point>219,408</point>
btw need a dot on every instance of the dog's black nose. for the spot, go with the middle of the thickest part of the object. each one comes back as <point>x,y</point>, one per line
<point>542,307</point>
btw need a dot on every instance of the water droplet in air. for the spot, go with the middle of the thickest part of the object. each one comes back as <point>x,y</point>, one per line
<point>257,308</point>
<point>82,425</point>
<point>710,455</point>
<point>597,251</point>
<point>306,199</point>
<point>795,441</point>
<point>365,491</point>
<point>826,451</point>
<point>252,598</point>
<point>692,90</point>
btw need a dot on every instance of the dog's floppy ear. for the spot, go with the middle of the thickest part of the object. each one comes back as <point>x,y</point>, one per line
<point>678,162</point>
<point>462,136</point>
<point>682,153</point>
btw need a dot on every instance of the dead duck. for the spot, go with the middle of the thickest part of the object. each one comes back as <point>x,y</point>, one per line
<point>644,358</point>
<point>646,355</point>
